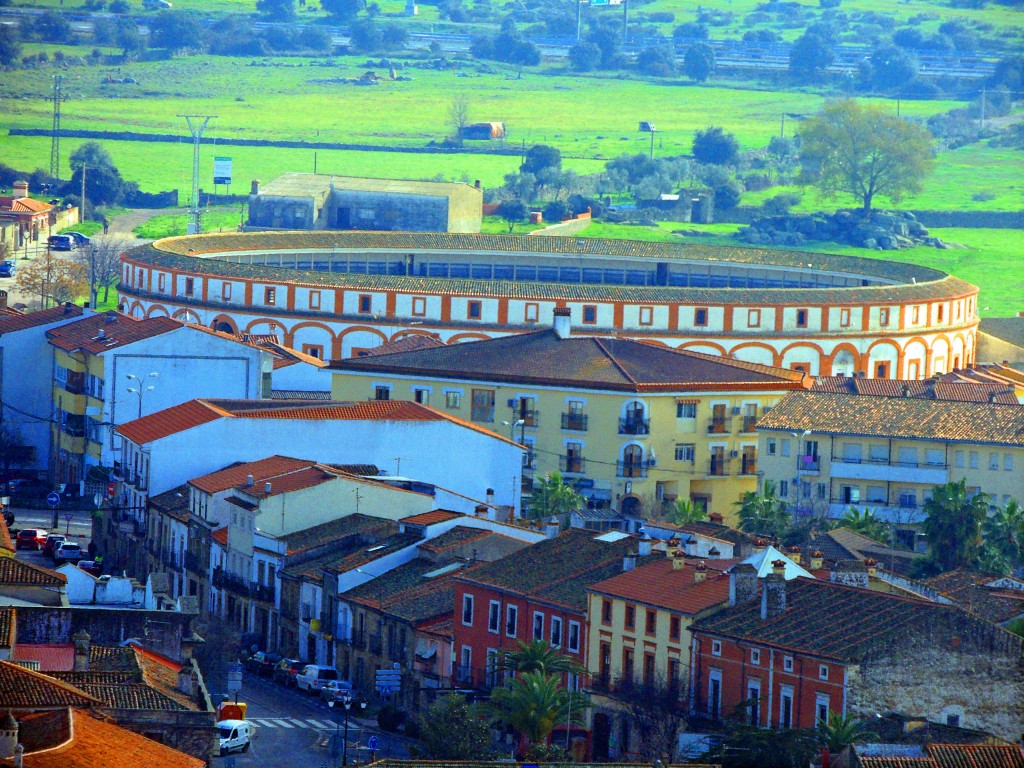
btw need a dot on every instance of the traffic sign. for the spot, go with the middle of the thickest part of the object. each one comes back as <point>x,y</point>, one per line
<point>53,498</point>
<point>373,743</point>
<point>234,677</point>
<point>69,516</point>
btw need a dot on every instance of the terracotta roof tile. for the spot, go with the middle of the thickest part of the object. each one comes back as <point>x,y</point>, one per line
<point>220,536</point>
<point>363,527</point>
<point>24,205</point>
<point>432,517</point>
<point>235,476</point>
<point>897,417</point>
<point>661,585</point>
<point>20,321</point>
<point>5,536</point>
<point>354,552</point>
<point>22,573</point>
<point>8,615</point>
<point>953,756</point>
<point>96,677</point>
<point>410,343</point>
<point>100,333</point>
<point>456,537</point>
<point>24,689</point>
<point>949,386</point>
<point>996,598</point>
<point>130,696</point>
<point>174,503</point>
<point>170,421</point>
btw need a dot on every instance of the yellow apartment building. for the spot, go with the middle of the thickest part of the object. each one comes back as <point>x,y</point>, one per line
<point>632,425</point>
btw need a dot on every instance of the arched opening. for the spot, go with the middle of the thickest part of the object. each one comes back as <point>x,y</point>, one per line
<point>630,506</point>
<point>632,464</point>
<point>634,419</point>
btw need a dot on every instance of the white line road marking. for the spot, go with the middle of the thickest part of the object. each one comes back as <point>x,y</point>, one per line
<point>284,723</point>
<point>296,722</point>
<point>267,723</point>
<point>320,725</point>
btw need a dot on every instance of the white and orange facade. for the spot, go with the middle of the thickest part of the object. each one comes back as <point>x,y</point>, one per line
<point>333,294</point>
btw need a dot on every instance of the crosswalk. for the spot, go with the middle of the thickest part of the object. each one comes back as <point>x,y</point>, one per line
<point>291,722</point>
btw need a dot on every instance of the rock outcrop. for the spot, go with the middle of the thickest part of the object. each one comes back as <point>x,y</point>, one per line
<point>883,230</point>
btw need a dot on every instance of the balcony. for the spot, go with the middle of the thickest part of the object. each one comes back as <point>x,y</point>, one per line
<point>529,460</point>
<point>810,465</point>
<point>718,466</point>
<point>194,564</point>
<point>634,468</point>
<point>887,511</point>
<point>574,422</point>
<point>634,426</point>
<point>573,465</point>
<point>749,424</point>
<point>531,418</point>
<point>889,471</point>
<point>264,592</point>
<point>230,582</point>
<point>722,426</point>
<point>74,430</point>
<point>748,467</point>
<point>75,383</point>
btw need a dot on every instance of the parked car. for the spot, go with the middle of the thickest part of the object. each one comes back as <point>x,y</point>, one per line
<point>30,538</point>
<point>80,239</point>
<point>286,671</point>
<point>333,690</point>
<point>91,566</point>
<point>68,552</point>
<point>53,541</point>
<point>312,677</point>
<point>61,243</point>
<point>8,268</point>
<point>261,663</point>
<point>235,735</point>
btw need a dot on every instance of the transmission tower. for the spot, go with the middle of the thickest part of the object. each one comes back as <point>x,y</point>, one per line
<point>195,213</point>
<point>55,134</point>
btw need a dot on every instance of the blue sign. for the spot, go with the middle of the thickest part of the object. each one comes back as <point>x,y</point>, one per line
<point>53,498</point>
<point>373,743</point>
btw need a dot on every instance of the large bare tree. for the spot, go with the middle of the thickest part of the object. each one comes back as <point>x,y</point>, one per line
<point>102,262</point>
<point>53,279</point>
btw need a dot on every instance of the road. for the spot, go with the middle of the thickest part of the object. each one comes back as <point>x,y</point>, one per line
<point>80,528</point>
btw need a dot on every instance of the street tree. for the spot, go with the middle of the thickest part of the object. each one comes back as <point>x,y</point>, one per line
<point>552,497</point>
<point>657,61</point>
<point>53,279</point>
<point>102,262</point>
<point>176,31</point>
<point>279,10</point>
<point>715,147</point>
<point>657,714</point>
<point>513,212</point>
<point>763,513</point>
<point>890,67</point>
<point>585,57</point>
<point>840,731</point>
<point>104,184</point>
<point>953,525</point>
<point>866,152</point>
<point>539,656</point>
<point>453,730</point>
<point>535,703</point>
<point>699,62</point>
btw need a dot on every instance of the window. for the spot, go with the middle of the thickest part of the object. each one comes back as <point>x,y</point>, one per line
<point>467,610</point>
<point>365,303</point>
<point>467,659</point>
<point>883,316</point>
<point>419,306</point>
<point>882,371</point>
<point>421,396</point>
<point>474,310</point>
<point>783,488</point>
<point>511,620</point>
<point>685,452</point>
<point>538,626</point>
<point>822,491</point>
<point>531,313</point>
<point>754,699</point>
<point>755,656</point>
<point>940,313</point>
<point>270,296</point>
<point>801,318</point>
<point>772,446</point>
<point>627,664</point>
<point>606,611</point>
<point>823,671</point>
<point>958,459</point>
<point>785,447</point>
<point>646,315</point>
<point>574,636</point>
<point>1008,462</point>
<point>974,459</point>
<point>915,315</point>
<point>556,631</point>
<point>993,461</point>
<point>648,669</point>
<point>161,282</point>
<point>786,707</point>
<point>630,617</point>
<point>787,663</point>
<point>686,410</point>
<point>483,405</point>
<point>821,707</point>
<point>700,317</point>
<point>844,318</point>
<point>225,291</point>
<point>494,617</point>
<point>953,720</point>
<point>314,299</point>
<point>674,628</point>
<point>314,350</point>
<point>753,318</point>
<point>878,453</point>
<point>190,286</point>
<point>716,647</point>
<point>590,314</point>
<point>934,457</point>
<point>452,400</point>
<point>652,622</point>
<point>382,392</point>
<point>715,694</point>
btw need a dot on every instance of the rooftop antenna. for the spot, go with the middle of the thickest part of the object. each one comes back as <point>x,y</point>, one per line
<point>55,133</point>
<point>195,213</point>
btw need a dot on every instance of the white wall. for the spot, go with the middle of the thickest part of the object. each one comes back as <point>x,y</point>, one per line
<point>303,377</point>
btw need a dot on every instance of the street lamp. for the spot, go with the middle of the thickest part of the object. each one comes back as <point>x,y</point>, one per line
<point>139,389</point>
<point>521,424</point>
<point>346,701</point>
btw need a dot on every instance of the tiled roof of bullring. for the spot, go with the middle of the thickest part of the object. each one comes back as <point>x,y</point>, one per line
<point>544,357</point>
<point>173,253</point>
<point>897,417</point>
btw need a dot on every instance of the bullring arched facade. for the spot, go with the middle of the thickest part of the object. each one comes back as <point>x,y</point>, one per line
<point>336,293</point>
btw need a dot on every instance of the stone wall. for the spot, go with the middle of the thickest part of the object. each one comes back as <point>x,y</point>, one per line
<point>569,227</point>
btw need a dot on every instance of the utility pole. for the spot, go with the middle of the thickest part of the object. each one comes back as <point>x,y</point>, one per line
<point>195,214</point>
<point>81,200</point>
<point>625,22</point>
<point>982,108</point>
<point>579,18</point>
<point>55,133</point>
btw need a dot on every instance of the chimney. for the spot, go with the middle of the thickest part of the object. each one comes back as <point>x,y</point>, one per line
<point>629,561</point>
<point>19,756</point>
<point>742,584</point>
<point>905,390</point>
<point>81,641</point>
<point>691,546</point>
<point>793,553</point>
<point>779,568</point>
<point>716,518</point>
<point>872,565</point>
<point>68,306</point>
<point>552,528</point>
<point>489,496</point>
<point>102,334</point>
<point>3,299</point>
<point>700,572</point>
<point>250,481</point>
<point>480,510</point>
<point>8,736</point>
<point>678,560</point>
<point>110,317</point>
<point>563,322</point>
<point>760,544</point>
<point>20,189</point>
<point>817,560</point>
<point>186,681</point>
<point>644,548</point>
<point>852,573</point>
<point>254,187</point>
<point>266,488</point>
<point>773,595</point>
<point>477,184</point>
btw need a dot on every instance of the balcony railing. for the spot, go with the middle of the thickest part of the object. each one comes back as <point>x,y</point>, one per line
<point>264,592</point>
<point>572,464</point>
<point>531,417</point>
<point>74,430</point>
<point>634,468</point>
<point>749,424</point>
<point>886,462</point>
<point>634,426</point>
<point>194,564</point>
<point>529,459</point>
<point>482,414</point>
<point>809,463</point>
<point>75,384</point>
<point>719,467</point>
<point>748,467</point>
<point>358,640</point>
<point>722,426</point>
<point>232,583</point>
<point>575,422</point>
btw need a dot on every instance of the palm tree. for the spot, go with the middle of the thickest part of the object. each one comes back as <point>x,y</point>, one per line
<point>535,703</point>
<point>684,512</point>
<point>763,513</point>
<point>865,523</point>
<point>953,525</point>
<point>551,496</point>
<point>1004,532</point>
<point>538,656</point>
<point>840,731</point>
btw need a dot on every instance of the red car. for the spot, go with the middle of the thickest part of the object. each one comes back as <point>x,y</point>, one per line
<point>30,538</point>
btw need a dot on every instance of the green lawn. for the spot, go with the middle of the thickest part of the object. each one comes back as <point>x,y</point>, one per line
<point>215,219</point>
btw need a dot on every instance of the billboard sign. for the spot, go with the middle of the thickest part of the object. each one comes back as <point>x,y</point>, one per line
<point>222,170</point>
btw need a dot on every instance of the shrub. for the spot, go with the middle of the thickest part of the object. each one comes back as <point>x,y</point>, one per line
<point>780,204</point>
<point>390,718</point>
<point>727,196</point>
<point>556,211</point>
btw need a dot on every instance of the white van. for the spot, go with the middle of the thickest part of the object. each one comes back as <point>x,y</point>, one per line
<point>312,677</point>
<point>235,735</point>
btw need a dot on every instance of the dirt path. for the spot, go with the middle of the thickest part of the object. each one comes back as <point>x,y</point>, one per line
<point>127,222</point>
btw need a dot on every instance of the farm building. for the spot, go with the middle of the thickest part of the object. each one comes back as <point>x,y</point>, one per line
<point>321,202</point>
<point>482,131</point>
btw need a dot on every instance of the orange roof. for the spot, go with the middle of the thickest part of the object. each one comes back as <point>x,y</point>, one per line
<point>220,536</point>
<point>98,333</point>
<point>262,470</point>
<point>25,574</point>
<point>24,205</point>
<point>659,584</point>
<point>5,536</point>
<point>8,617</point>
<point>429,518</point>
<point>20,321</point>
<point>95,742</point>
<point>24,689</point>
<point>170,421</point>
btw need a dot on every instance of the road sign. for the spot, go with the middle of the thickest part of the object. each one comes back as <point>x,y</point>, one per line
<point>53,498</point>
<point>373,743</point>
<point>69,516</point>
<point>234,677</point>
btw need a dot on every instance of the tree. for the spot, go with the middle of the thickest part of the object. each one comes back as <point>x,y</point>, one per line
<point>53,279</point>
<point>657,713</point>
<point>364,35</point>
<point>281,10</point>
<point>512,211</point>
<point>451,729</point>
<point>394,37</point>
<point>176,31</point>
<point>458,116</point>
<point>865,152</point>
<point>585,57</point>
<point>865,523</point>
<point>103,182</point>
<point>715,146</point>
<point>840,731</point>
<point>891,67</point>
<point>1004,532</point>
<point>811,56</point>
<point>343,10</point>
<point>699,62</point>
<point>539,656</point>
<point>743,746</point>
<point>953,525</point>
<point>557,210</point>
<point>10,46</point>
<point>540,157</point>
<point>763,513</point>
<point>535,703</point>
<point>102,261</point>
<point>128,39</point>
<point>51,27</point>
<point>551,497</point>
<point>657,61</point>
<point>684,512</point>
